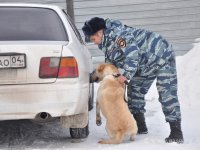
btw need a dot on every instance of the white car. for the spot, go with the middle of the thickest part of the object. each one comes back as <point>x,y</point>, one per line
<point>44,67</point>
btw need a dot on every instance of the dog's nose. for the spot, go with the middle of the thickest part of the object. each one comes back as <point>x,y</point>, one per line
<point>91,76</point>
<point>98,122</point>
<point>91,80</point>
<point>96,80</point>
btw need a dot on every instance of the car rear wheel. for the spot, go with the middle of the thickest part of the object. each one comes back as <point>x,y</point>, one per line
<point>91,97</point>
<point>78,133</point>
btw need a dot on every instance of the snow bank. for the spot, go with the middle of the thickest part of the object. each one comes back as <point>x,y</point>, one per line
<point>189,77</point>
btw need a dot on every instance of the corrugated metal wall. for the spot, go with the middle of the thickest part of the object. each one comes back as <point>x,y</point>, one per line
<point>177,20</point>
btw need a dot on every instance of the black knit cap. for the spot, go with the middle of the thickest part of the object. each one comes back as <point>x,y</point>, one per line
<point>92,26</point>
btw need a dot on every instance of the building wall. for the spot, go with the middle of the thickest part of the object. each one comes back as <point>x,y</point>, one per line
<point>177,20</point>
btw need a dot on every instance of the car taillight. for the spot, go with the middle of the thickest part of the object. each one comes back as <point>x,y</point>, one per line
<point>56,67</point>
<point>68,68</point>
<point>49,67</point>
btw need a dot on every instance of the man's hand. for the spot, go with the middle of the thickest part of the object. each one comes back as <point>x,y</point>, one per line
<point>122,79</point>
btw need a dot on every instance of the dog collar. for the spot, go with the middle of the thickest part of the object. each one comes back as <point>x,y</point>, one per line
<point>116,75</point>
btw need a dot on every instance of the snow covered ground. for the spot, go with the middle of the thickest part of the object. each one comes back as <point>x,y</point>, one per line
<point>27,135</point>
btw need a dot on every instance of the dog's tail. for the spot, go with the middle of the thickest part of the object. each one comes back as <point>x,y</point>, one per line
<point>119,136</point>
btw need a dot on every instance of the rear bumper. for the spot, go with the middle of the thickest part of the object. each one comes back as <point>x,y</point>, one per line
<point>58,99</point>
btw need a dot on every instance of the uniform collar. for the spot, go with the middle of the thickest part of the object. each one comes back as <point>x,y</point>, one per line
<point>103,44</point>
<point>107,40</point>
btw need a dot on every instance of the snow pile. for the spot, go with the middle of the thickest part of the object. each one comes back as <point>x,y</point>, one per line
<point>189,77</point>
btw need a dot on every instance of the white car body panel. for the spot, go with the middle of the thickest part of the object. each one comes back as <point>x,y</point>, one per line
<point>25,102</point>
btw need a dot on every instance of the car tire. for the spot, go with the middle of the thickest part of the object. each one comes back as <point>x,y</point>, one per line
<point>78,133</point>
<point>91,97</point>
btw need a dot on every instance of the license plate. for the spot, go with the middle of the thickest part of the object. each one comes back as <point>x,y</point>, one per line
<point>13,61</point>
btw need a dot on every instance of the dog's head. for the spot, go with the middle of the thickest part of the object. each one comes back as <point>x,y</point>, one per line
<point>102,70</point>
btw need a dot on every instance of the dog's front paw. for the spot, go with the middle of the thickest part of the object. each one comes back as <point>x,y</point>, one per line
<point>100,142</point>
<point>98,122</point>
<point>104,142</point>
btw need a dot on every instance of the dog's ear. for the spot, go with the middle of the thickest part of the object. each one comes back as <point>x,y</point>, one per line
<point>101,68</point>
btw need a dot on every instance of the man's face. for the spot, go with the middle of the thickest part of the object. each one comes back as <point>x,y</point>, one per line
<point>97,37</point>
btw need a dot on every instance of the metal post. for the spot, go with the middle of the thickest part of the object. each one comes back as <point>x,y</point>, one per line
<point>70,9</point>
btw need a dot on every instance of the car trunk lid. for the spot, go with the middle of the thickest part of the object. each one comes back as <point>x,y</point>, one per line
<point>20,64</point>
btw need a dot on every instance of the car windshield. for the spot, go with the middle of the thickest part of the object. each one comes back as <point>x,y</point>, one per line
<point>24,23</point>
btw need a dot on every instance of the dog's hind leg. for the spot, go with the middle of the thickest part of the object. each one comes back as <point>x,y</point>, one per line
<point>115,140</point>
<point>98,116</point>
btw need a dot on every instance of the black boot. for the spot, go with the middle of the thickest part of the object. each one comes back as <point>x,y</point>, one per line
<point>176,134</point>
<point>142,128</point>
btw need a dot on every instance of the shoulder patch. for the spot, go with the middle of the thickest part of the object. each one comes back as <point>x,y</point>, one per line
<point>121,42</point>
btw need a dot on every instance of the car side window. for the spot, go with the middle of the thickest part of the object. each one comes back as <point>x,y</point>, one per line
<point>78,35</point>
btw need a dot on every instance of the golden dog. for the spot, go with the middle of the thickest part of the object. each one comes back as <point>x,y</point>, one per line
<point>110,100</point>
